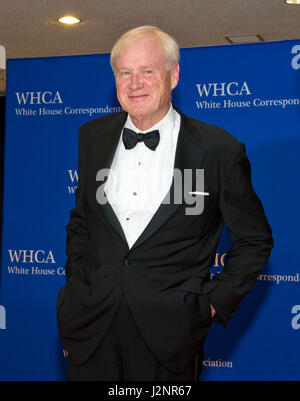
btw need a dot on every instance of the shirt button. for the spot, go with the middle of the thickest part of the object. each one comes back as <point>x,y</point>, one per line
<point>139,163</point>
<point>134,193</point>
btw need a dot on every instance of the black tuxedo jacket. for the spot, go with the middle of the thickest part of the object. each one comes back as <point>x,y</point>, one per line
<point>165,275</point>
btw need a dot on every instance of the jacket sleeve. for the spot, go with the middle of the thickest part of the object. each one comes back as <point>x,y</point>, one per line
<point>76,228</point>
<point>251,237</point>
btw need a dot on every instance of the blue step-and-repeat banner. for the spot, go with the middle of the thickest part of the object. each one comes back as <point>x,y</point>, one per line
<point>253,91</point>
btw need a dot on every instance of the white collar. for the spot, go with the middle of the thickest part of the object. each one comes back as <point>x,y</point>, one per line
<point>166,124</point>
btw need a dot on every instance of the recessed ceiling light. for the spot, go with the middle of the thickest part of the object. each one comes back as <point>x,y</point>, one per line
<point>292,1</point>
<point>244,39</point>
<point>69,20</point>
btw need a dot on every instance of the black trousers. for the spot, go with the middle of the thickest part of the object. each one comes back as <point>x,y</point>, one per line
<point>123,355</point>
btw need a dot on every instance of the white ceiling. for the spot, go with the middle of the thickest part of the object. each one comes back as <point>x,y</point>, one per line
<point>29,28</point>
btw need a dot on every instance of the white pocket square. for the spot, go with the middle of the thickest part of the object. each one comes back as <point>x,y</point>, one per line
<point>198,193</point>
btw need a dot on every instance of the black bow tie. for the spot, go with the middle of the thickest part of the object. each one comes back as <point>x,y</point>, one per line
<point>131,138</point>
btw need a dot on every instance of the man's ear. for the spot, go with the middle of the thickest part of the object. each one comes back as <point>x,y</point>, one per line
<point>175,76</point>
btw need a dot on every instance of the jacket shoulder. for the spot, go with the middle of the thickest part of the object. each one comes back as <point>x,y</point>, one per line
<point>209,136</point>
<point>101,124</point>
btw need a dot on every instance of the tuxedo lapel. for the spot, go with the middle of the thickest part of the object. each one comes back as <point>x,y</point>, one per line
<point>106,151</point>
<point>188,156</point>
<point>109,142</point>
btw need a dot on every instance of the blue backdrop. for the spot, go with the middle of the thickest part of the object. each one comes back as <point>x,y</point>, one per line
<point>253,91</point>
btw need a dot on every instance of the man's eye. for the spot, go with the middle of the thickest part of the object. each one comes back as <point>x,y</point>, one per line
<point>148,72</point>
<point>124,73</point>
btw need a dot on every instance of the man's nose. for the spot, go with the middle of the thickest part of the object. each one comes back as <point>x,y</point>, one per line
<point>136,81</point>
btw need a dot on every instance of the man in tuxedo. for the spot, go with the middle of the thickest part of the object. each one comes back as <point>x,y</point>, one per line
<point>154,192</point>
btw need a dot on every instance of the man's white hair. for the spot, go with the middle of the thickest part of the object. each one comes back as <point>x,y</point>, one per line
<point>169,44</point>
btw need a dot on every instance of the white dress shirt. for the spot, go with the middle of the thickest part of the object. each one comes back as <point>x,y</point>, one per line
<point>140,178</point>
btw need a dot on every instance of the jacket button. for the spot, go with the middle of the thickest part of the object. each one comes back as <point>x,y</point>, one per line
<point>126,262</point>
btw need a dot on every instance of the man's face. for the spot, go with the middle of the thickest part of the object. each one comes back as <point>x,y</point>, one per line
<point>143,83</point>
